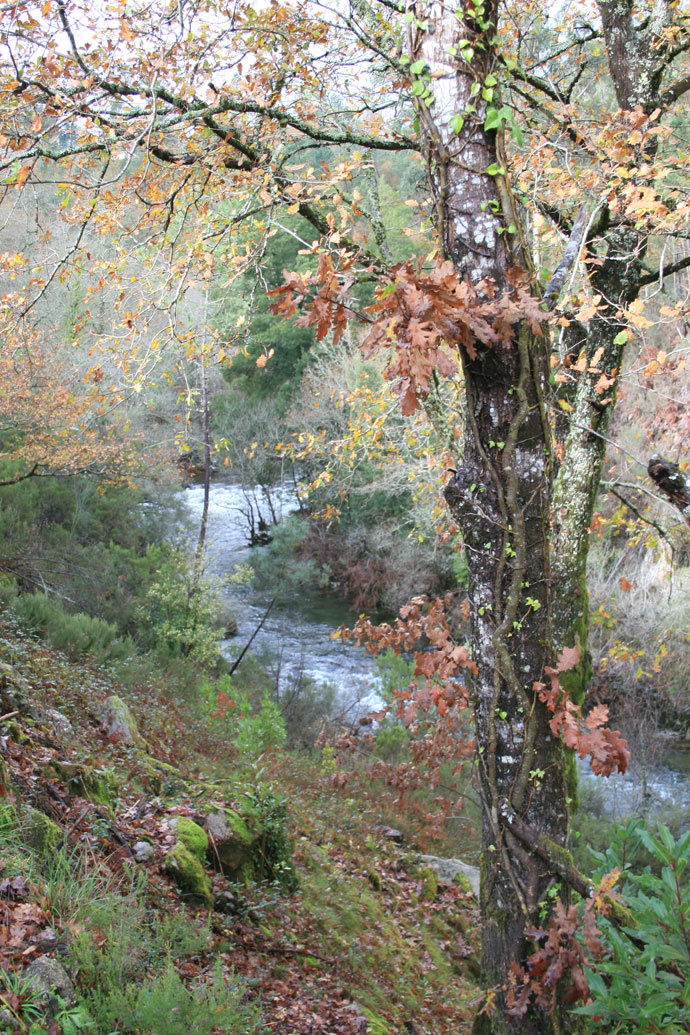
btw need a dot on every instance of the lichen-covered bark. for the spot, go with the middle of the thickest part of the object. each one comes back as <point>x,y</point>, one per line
<point>501,500</point>
<point>585,430</point>
<point>636,62</point>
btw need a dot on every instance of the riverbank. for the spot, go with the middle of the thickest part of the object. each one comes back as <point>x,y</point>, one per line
<point>363,940</point>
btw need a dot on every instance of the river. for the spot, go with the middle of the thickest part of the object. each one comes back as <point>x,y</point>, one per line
<point>295,641</point>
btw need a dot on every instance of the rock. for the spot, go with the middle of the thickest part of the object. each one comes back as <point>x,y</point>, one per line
<point>14,689</point>
<point>143,851</point>
<point>191,835</point>
<point>100,786</point>
<point>49,978</point>
<point>232,843</point>
<point>121,724</point>
<point>186,869</point>
<point>226,621</point>
<point>452,871</point>
<point>40,833</point>
<point>62,727</point>
<point>390,833</point>
<point>9,1023</point>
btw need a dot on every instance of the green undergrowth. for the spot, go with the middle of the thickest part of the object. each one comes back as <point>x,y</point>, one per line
<point>334,923</point>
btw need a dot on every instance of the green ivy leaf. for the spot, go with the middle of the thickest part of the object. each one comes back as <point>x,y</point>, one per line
<point>457,122</point>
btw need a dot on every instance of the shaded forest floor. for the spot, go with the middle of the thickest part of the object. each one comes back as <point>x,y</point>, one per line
<point>366,942</point>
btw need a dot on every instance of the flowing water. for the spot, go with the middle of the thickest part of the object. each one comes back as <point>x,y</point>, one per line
<point>295,641</point>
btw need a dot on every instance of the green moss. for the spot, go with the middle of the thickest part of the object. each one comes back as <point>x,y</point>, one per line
<point>239,827</point>
<point>429,879</point>
<point>100,786</point>
<point>192,837</point>
<point>40,833</point>
<point>186,869</point>
<point>463,882</point>
<point>163,778</point>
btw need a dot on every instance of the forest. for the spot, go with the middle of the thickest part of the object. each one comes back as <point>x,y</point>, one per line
<point>344,517</point>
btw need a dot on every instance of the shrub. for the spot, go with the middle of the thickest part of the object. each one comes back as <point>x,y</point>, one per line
<point>180,613</point>
<point>642,984</point>
<point>252,730</point>
<point>75,633</point>
<point>276,854</point>
<point>163,1005</point>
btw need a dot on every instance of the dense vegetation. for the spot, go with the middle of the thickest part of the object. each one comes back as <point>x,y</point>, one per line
<point>412,287</point>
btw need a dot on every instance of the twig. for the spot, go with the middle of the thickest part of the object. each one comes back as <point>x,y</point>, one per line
<point>638,513</point>
<point>610,441</point>
<point>253,635</point>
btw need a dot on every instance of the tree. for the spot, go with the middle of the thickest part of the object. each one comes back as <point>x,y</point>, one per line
<point>231,106</point>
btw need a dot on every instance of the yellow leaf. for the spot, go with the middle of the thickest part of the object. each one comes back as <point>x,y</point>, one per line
<point>292,209</point>
<point>261,361</point>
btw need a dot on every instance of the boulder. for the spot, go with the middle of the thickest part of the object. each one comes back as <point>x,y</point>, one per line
<point>185,868</point>
<point>62,727</point>
<point>100,786</point>
<point>232,843</point>
<point>50,978</point>
<point>191,835</point>
<point>121,724</point>
<point>452,871</point>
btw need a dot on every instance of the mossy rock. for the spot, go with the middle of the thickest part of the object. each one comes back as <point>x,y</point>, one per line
<point>122,726</point>
<point>187,871</point>
<point>429,879</point>
<point>40,832</point>
<point>101,786</point>
<point>163,778</point>
<point>16,732</point>
<point>233,842</point>
<point>192,836</point>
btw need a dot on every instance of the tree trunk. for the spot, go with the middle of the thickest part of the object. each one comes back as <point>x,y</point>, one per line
<point>501,498</point>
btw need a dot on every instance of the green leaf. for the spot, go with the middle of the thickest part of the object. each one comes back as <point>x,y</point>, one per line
<point>493,119</point>
<point>418,88</point>
<point>495,170</point>
<point>488,95</point>
<point>491,80</point>
<point>417,67</point>
<point>457,122</point>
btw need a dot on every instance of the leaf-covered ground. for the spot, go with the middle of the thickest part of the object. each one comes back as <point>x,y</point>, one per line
<point>362,945</point>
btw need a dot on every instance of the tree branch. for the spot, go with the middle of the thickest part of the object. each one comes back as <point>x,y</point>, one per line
<point>664,271</point>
